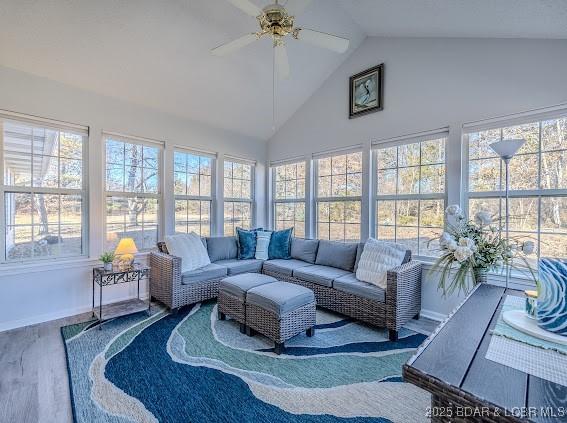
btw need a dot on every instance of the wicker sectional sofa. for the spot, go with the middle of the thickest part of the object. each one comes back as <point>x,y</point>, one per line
<point>326,267</point>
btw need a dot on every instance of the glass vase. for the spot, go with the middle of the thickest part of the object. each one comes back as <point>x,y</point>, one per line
<point>480,275</point>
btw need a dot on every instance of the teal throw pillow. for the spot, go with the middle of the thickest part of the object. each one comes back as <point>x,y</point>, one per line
<point>280,244</point>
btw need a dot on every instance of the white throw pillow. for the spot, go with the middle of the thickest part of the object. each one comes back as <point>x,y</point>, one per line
<point>262,243</point>
<point>376,259</point>
<point>190,249</point>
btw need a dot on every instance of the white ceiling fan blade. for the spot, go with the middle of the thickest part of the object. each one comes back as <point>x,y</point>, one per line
<point>282,62</point>
<point>234,45</point>
<point>247,7</point>
<point>296,7</point>
<point>322,39</point>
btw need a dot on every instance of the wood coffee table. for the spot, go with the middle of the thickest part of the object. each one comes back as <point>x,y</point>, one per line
<point>465,386</point>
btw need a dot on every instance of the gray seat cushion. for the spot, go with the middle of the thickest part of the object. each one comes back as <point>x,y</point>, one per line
<point>235,266</point>
<point>304,249</point>
<point>351,285</point>
<point>337,254</point>
<point>239,285</point>
<point>222,248</point>
<point>280,297</point>
<point>210,271</point>
<point>321,275</point>
<point>285,267</point>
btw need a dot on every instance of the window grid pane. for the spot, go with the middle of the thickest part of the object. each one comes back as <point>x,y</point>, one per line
<point>192,177</point>
<point>535,213</point>
<point>132,193</point>
<point>416,171</point>
<point>46,219</point>
<point>289,186</point>
<point>339,177</point>
<point>238,196</point>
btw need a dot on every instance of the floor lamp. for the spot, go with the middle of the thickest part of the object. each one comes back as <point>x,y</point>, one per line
<point>507,149</point>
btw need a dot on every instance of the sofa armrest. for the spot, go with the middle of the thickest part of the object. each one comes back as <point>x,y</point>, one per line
<point>403,294</point>
<point>165,273</point>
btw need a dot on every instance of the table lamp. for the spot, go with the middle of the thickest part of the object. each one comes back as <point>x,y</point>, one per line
<point>125,252</point>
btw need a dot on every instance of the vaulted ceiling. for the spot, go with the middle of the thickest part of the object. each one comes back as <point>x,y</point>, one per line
<point>156,53</point>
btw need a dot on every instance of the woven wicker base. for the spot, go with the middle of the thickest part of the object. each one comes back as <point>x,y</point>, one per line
<point>280,328</point>
<point>232,306</point>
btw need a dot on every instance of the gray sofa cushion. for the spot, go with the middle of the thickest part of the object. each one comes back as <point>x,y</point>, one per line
<point>222,248</point>
<point>239,285</point>
<point>235,266</point>
<point>285,267</point>
<point>304,249</point>
<point>280,297</point>
<point>210,271</point>
<point>359,249</point>
<point>351,285</point>
<point>321,275</point>
<point>337,254</point>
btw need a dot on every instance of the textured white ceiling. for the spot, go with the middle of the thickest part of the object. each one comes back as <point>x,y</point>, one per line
<point>156,52</point>
<point>460,18</point>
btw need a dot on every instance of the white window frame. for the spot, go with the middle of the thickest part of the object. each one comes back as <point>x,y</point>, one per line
<point>130,139</point>
<point>83,192</point>
<point>211,198</point>
<point>317,200</point>
<point>276,201</point>
<point>396,142</point>
<point>539,193</point>
<point>251,200</point>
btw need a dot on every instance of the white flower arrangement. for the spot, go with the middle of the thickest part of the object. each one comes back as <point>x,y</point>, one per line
<point>474,247</point>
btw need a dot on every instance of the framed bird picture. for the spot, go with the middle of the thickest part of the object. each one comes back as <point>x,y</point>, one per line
<point>366,91</point>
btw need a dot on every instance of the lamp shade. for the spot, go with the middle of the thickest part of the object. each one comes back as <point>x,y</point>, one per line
<point>507,149</point>
<point>126,246</point>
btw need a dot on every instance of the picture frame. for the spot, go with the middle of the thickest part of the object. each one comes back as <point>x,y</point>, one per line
<point>366,91</point>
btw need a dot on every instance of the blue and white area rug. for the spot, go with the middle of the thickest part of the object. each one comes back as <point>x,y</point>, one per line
<point>191,367</point>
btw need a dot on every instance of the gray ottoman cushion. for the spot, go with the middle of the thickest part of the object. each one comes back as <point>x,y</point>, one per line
<point>210,271</point>
<point>238,285</point>
<point>280,297</point>
<point>321,275</point>
<point>351,285</point>
<point>235,266</point>
<point>285,267</point>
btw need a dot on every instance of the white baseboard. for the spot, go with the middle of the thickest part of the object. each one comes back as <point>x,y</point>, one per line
<point>43,318</point>
<point>433,315</point>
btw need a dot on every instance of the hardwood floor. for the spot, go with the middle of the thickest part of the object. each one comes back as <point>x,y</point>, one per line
<point>33,376</point>
<point>33,373</point>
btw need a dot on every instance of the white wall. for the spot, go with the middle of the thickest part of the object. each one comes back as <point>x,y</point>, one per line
<point>43,291</point>
<point>428,84</point>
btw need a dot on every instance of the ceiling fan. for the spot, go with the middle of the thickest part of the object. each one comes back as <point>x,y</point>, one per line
<point>277,21</point>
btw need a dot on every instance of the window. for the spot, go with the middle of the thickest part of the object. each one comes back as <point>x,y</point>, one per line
<point>238,196</point>
<point>193,182</point>
<point>339,197</point>
<point>289,197</point>
<point>538,181</point>
<point>132,191</point>
<point>43,189</point>
<point>410,193</point>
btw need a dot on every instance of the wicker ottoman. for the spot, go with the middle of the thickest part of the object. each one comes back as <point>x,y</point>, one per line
<point>232,295</point>
<point>279,311</point>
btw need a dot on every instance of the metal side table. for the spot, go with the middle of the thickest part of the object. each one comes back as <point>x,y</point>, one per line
<point>115,276</point>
